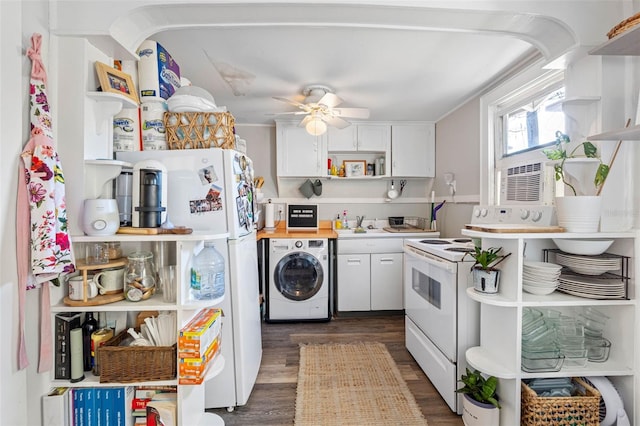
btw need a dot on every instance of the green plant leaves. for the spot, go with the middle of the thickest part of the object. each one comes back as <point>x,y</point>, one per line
<point>480,389</point>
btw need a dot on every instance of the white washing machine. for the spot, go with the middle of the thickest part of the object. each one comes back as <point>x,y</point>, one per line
<point>298,288</point>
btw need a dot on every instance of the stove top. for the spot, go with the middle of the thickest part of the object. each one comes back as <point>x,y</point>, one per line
<point>453,249</point>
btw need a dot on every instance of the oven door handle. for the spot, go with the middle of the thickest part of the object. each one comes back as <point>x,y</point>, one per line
<point>431,260</point>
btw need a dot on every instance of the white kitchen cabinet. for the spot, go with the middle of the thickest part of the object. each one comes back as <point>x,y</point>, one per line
<point>180,251</point>
<point>354,277</point>
<point>386,288</point>
<point>360,137</point>
<point>300,154</point>
<point>369,274</point>
<point>413,150</point>
<point>499,353</point>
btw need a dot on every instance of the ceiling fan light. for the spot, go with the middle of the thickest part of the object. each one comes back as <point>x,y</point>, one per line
<point>316,127</point>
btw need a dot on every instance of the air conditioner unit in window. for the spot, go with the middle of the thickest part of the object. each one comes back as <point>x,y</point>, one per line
<point>531,183</point>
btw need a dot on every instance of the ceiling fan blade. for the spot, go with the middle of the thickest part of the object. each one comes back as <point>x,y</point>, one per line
<point>336,122</point>
<point>294,103</point>
<point>330,100</point>
<point>287,113</point>
<point>350,112</point>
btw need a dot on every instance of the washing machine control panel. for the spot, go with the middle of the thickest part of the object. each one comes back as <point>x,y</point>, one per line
<point>298,244</point>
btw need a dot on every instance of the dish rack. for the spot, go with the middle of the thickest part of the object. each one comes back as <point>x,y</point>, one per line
<point>410,222</point>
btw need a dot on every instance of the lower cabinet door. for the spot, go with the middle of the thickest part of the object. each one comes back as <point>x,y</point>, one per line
<point>353,283</point>
<point>386,281</point>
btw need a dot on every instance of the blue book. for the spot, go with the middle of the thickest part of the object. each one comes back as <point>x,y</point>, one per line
<point>118,407</point>
<point>99,415</point>
<point>107,406</point>
<point>90,407</point>
<point>78,406</point>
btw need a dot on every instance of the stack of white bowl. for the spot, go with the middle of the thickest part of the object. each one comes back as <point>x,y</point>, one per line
<point>540,277</point>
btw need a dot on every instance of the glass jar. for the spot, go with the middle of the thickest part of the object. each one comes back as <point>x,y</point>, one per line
<point>114,251</point>
<point>140,278</point>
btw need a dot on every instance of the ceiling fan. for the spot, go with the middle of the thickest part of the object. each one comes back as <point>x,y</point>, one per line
<point>319,106</point>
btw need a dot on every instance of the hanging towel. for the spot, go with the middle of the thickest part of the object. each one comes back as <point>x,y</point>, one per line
<point>44,246</point>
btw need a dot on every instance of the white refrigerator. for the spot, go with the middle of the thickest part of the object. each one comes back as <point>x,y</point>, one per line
<point>212,190</point>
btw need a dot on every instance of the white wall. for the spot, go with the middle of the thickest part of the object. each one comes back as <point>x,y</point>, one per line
<point>20,391</point>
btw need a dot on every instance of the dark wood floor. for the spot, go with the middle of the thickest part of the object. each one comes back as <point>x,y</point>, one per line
<point>272,401</point>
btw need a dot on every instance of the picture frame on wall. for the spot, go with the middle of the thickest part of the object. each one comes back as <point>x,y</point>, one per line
<point>115,81</point>
<point>355,168</point>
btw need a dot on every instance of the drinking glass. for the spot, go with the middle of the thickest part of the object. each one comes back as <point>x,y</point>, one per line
<point>168,283</point>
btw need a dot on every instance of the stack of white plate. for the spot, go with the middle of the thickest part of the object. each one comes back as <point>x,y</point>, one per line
<point>540,277</point>
<point>592,287</point>
<point>589,265</point>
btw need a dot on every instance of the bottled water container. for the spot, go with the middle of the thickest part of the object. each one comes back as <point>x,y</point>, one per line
<point>207,273</point>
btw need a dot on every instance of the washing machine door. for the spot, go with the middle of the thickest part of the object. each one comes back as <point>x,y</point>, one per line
<point>298,276</point>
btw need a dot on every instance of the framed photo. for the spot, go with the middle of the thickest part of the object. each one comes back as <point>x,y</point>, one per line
<point>116,81</point>
<point>355,168</point>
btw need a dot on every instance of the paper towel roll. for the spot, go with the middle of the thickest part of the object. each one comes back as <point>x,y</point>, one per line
<point>269,216</point>
<point>77,366</point>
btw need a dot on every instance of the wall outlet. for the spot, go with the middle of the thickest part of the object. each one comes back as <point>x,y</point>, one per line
<point>279,209</point>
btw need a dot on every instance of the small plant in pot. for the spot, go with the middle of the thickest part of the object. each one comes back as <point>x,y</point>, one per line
<point>581,211</point>
<point>560,154</point>
<point>485,275</point>
<point>480,403</point>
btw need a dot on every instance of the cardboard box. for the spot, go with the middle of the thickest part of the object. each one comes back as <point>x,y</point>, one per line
<point>197,366</point>
<point>196,337</point>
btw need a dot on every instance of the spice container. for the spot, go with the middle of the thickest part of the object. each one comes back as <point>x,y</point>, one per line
<point>114,251</point>
<point>140,278</point>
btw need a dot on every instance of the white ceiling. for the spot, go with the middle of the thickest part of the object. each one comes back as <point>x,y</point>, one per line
<point>403,63</point>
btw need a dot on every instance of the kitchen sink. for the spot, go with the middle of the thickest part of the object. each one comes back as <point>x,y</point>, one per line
<point>352,231</point>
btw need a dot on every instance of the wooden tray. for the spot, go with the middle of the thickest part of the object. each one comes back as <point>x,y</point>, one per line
<point>154,231</point>
<point>505,228</point>
<point>101,299</point>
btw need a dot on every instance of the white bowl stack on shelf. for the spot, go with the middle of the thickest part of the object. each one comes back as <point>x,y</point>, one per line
<point>540,278</point>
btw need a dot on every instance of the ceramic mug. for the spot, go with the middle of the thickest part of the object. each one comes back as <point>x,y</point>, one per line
<point>110,281</point>
<point>76,288</point>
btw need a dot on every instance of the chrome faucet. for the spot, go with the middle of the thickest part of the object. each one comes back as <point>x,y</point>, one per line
<point>359,220</point>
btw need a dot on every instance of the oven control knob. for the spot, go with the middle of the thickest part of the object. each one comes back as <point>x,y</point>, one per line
<point>476,212</point>
<point>298,244</point>
<point>524,214</point>
<point>483,212</point>
<point>536,216</point>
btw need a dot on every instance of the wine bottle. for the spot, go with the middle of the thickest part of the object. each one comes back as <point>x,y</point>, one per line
<point>89,325</point>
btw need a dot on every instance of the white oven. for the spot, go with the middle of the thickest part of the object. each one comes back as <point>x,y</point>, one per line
<point>441,321</point>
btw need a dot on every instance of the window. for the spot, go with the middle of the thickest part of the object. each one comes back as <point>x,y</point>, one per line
<point>528,117</point>
<point>534,123</point>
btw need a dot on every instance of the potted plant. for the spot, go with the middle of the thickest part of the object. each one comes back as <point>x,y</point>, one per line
<point>480,406</point>
<point>589,150</point>
<point>485,275</point>
<point>580,212</point>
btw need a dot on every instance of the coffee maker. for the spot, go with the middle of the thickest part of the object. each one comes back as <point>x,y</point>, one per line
<point>149,194</point>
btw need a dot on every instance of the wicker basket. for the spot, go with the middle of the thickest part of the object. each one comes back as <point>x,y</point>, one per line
<point>127,364</point>
<point>583,409</point>
<point>196,130</point>
<point>624,26</point>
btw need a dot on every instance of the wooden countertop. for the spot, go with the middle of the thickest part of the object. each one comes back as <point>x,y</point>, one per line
<point>325,230</point>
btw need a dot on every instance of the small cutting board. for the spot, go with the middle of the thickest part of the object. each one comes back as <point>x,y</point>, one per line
<point>506,228</point>
<point>154,231</point>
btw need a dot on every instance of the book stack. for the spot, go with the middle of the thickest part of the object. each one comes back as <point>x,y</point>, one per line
<point>100,406</point>
<point>144,395</point>
<point>198,344</point>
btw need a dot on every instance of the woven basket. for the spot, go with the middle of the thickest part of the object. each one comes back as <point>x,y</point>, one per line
<point>197,130</point>
<point>127,364</point>
<point>583,409</point>
<point>624,26</point>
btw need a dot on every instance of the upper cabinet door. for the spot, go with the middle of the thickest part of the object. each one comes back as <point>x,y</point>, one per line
<point>413,150</point>
<point>342,139</point>
<point>360,137</point>
<point>374,137</point>
<point>299,153</point>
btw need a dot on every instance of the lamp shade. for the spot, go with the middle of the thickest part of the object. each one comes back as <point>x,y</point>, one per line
<point>316,127</point>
